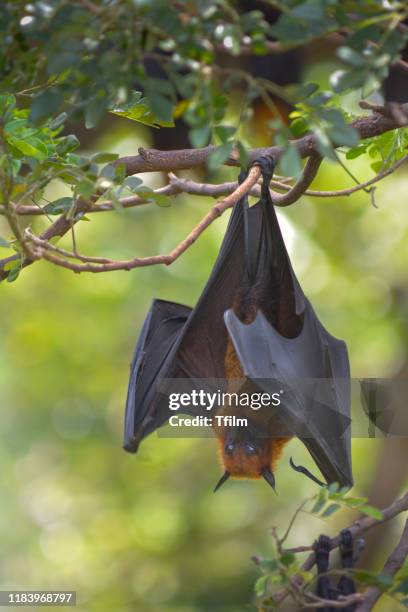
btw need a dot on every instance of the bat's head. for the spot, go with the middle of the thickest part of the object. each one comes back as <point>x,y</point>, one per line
<point>248,457</point>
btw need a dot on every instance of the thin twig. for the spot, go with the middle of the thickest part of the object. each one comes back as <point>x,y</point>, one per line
<point>342,602</point>
<point>179,185</point>
<point>44,247</point>
<point>292,520</point>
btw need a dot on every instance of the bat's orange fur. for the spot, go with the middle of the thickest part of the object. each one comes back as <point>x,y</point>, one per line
<point>239,464</point>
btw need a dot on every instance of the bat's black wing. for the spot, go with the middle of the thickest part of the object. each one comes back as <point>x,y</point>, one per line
<point>178,342</point>
<point>160,332</point>
<point>312,369</point>
<point>295,350</point>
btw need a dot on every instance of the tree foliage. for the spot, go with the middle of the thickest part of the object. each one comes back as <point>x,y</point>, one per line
<point>159,62</point>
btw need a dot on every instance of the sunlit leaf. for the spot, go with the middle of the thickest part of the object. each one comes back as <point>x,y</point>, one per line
<point>220,154</point>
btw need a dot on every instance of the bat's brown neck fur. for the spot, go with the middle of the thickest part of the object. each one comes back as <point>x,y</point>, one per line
<point>239,464</point>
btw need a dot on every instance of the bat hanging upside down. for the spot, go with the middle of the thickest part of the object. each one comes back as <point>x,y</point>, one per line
<point>254,329</point>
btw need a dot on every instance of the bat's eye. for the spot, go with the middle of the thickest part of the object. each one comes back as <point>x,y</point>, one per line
<point>229,448</point>
<point>250,449</point>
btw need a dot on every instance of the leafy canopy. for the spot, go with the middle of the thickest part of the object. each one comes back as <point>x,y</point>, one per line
<point>156,62</point>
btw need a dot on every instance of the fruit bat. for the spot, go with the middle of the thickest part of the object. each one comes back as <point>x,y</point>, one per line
<point>253,324</point>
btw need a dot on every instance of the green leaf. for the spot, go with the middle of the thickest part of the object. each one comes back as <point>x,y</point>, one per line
<point>302,91</point>
<point>365,576</point>
<point>351,57</point>
<point>103,158</point>
<point>321,500</point>
<point>15,125</point>
<point>139,109</point>
<point>133,182</point>
<point>62,205</point>
<point>94,112</point>
<point>69,143</point>
<point>351,79</point>
<point>13,275</point>
<point>287,559</point>
<point>45,104</point>
<point>29,148</point>
<point>261,586</point>
<point>383,581</point>
<point>219,156</point>
<point>116,201</point>
<point>13,268</point>
<point>324,145</point>
<point>331,510</point>
<point>243,155</point>
<point>333,488</point>
<point>354,502</point>
<point>375,513</point>
<point>12,265</point>
<point>290,162</point>
<point>150,196</point>
<point>377,166</point>
<point>353,153</point>
<point>200,136</point>
<point>85,188</point>
<point>58,121</point>
<point>4,243</point>
<point>269,565</point>
<point>7,102</point>
<point>343,135</point>
<point>161,107</point>
<point>224,132</point>
<point>402,587</point>
<point>109,173</point>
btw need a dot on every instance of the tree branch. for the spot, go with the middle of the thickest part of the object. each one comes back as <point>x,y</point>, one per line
<point>309,172</point>
<point>359,526</point>
<point>391,567</point>
<point>179,185</point>
<point>342,602</point>
<point>152,160</point>
<point>92,264</point>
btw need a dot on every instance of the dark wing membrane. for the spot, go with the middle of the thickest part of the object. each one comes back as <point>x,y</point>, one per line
<point>296,348</point>
<point>319,414</point>
<point>178,342</point>
<point>313,371</point>
<point>160,332</point>
<point>201,352</point>
<point>329,441</point>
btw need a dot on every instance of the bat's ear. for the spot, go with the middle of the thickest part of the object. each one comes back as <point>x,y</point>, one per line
<point>221,481</point>
<point>269,477</point>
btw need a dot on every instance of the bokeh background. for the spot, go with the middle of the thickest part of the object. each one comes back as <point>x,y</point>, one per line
<point>146,532</point>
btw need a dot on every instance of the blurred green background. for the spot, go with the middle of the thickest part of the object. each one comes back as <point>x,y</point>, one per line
<point>146,532</point>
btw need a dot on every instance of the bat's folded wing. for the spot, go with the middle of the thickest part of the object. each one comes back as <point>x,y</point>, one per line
<point>313,371</point>
<point>160,334</point>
